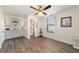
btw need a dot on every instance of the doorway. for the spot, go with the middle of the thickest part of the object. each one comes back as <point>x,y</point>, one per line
<point>32,28</point>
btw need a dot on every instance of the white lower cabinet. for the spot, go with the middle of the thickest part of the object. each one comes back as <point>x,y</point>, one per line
<point>13,33</point>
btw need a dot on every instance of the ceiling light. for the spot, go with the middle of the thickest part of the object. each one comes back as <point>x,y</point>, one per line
<point>40,13</point>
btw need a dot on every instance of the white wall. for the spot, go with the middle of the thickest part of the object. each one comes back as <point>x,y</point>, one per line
<point>64,34</point>
<point>1,27</point>
<point>25,26</point>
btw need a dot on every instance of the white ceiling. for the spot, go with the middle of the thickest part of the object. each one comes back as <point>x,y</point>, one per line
<point>22,10</point>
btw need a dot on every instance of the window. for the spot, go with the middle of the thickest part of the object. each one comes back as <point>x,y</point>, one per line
<point>51,23</point>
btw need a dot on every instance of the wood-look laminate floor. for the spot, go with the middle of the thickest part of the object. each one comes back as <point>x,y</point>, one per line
<point>36,45</point>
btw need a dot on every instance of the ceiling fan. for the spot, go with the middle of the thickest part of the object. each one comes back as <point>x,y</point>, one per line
<point>41,9</point>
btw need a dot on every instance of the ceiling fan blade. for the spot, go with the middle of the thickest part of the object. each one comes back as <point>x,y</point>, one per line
<point>47,7</point>
<point>34,8</point>
<point>36,13</point>
<point>44,13</point>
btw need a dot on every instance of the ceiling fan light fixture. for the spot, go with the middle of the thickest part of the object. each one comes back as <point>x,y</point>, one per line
<point>40,13</point>
<point>41,10</point>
